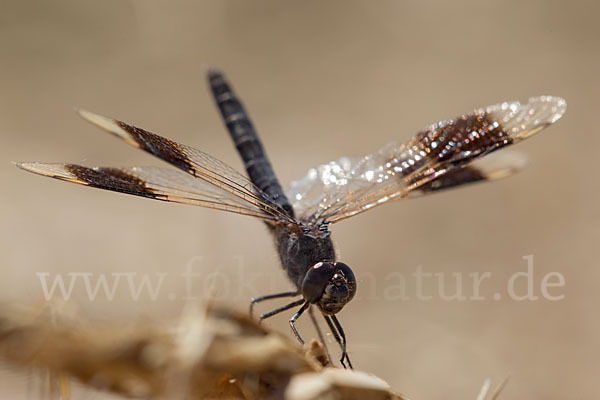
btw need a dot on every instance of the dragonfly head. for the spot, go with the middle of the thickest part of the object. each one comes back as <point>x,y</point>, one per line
<point>329,285</point>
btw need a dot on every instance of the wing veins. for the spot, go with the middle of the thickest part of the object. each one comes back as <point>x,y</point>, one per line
<point>131,181</point>
<point>346,187</point>
<point>190,160</point>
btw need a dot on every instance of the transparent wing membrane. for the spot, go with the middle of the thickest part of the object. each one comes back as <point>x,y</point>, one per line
<point>346,187</point>
<point>494,166</point>
<point>209,182</point>
<point>150,182</point>
<point>188,159</point>
<point>444,155</point>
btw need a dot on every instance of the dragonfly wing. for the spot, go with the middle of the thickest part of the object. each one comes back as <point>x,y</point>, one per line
<point>314,191</point>
<point>150,182</point>
<point>190,160</point>
<point>494,166</point>
<point>349,186</point>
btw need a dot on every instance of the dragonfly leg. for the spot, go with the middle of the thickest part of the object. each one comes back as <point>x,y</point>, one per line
<point>269,297</point>
<point>295,317</point>
<point>280,309</point>
<point>343,336</point>
<point>340,337</point>
<point>319,333</point>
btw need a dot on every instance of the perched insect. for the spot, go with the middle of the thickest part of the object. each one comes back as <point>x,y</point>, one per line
<point>443,155</point>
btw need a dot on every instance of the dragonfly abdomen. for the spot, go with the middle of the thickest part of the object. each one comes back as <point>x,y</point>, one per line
<point>247,142</point>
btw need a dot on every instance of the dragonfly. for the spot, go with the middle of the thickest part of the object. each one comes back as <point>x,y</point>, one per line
<point>443,155</point>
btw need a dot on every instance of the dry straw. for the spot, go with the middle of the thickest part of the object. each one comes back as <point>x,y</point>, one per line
<point>208,353</point>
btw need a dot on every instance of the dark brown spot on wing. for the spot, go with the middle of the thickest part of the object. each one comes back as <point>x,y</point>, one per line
<point>113,179</point>
<point>459,138</point>
<point>450,144</point>
<point>160,147</point>
<point>453,178</point>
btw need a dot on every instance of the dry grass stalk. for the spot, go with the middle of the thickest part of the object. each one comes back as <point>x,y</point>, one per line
<point>211,353</point>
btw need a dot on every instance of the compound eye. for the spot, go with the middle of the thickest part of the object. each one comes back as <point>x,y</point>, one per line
<point>315,281</point>
<point>350,278</point>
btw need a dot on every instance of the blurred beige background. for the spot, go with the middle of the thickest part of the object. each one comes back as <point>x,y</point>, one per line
<point>320,80</point>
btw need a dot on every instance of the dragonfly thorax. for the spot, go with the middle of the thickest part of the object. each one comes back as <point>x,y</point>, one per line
<point>330,285</point>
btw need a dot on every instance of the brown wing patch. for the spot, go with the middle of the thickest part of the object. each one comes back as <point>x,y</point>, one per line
<point>113,179</point>
<point>455,141</point>
<point>453,178</point>
<point>159,146</point>
<point>192,161</point>
<point>472,133</point>
<point>150,182</point>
